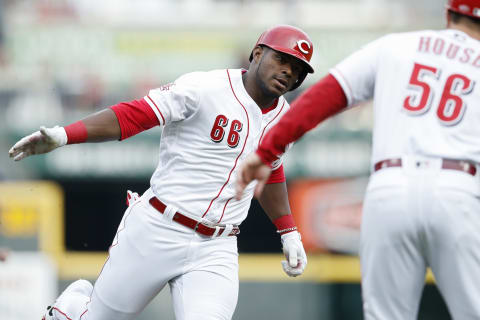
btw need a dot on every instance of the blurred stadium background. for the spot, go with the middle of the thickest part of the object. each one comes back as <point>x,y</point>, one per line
<point>63,59</point>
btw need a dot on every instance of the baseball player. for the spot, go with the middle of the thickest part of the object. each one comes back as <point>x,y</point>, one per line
<point>182,230</point>
<point>422,204</point>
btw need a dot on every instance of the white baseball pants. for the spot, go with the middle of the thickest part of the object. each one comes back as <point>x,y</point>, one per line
<point>149,251</point>
<point>415,217</point>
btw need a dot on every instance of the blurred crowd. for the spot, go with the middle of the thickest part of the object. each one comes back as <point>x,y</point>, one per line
<point>63,59</point>
<point>27,97</point>
<point>37,86</point>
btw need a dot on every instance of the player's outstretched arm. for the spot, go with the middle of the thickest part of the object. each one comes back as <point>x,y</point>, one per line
<point>252,169</point>
<point>98,127</point>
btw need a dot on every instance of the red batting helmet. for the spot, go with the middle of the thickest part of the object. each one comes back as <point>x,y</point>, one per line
<point>292,41</point>
<point>467,7</point>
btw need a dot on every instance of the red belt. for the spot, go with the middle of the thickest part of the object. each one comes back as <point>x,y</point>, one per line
<point>192,223</point>
<point>460,165</point>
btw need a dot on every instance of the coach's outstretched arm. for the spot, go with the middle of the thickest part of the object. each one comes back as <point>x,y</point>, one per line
<point>274,201</point>
<point>321,101</point>
<point>115,123</point>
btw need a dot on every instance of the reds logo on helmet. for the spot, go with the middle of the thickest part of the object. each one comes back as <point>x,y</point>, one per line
<point>467,7</point>
<point>303,46</point>
<point>292,41</point>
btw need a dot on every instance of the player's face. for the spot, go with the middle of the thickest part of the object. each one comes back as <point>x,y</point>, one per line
<point>277,72</point>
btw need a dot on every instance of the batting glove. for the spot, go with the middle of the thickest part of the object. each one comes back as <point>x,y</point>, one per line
<point>295,254</point>
<point>43,141</point>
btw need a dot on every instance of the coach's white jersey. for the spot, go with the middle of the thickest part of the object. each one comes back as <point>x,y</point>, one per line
<point>436,112</point>
<point>210,125</point>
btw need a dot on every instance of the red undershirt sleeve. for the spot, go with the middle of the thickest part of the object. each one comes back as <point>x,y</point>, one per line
<point>321,101</point>
<point>277,176</point>
<point>134,117</point>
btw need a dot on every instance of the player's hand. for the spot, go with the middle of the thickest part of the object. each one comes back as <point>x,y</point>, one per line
<point>252,169</point>
<point>39,142</point>
<point>295,254</point>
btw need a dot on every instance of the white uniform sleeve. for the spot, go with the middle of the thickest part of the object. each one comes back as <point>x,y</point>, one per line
<point>175,101</point>
<point>356,74</point>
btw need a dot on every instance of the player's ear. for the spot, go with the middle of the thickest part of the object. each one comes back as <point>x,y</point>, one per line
<point>257,53</point>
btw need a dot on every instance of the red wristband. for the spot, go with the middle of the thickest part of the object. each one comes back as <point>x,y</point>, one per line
<point>76,132</point>
<point>285,224</point>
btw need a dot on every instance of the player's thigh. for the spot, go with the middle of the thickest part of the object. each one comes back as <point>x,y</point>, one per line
<point>454,251</point>
<point>137,268</point>
<point>210,289</point>
<point>392,262</point>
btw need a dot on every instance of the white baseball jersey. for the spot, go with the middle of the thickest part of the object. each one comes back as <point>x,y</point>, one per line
<point>434,113</point>
<point>210,125</point>
<point>419,215</point>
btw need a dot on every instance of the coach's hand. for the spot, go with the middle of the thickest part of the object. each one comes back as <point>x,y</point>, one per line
<point>39,142</point>
<point>252,169</point>
<point>295,254</point>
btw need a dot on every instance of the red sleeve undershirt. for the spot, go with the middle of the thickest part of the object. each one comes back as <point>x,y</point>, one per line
<point>321,101</point>
<point>134,117</point>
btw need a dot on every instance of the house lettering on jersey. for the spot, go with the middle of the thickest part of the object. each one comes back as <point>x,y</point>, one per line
<point>438,46</point>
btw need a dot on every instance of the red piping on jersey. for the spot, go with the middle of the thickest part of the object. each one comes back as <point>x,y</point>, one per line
<point>157,109</point>
<point>259,140</point>
<point>63,314</point>
<point>243,148</point>
<point>224,207</point>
